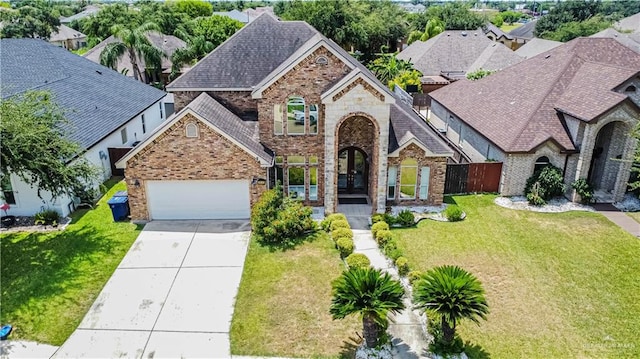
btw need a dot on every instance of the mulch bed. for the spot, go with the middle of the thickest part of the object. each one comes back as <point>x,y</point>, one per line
<point>27,224</point>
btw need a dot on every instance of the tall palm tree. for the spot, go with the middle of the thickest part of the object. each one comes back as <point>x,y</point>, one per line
<point>454,294</point>
<point>388,66</point>
<point>133,42</point>
<point>434,27</point>
<point>369,293</point>
<point>197,48</point>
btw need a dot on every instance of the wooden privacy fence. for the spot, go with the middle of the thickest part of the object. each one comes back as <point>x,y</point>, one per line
<point>472,177</point>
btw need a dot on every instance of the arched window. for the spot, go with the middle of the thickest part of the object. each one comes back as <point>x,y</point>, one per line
<point>191,130</point>
<point>408,178</point>
<point>630,88</point>
<point>541,163</point>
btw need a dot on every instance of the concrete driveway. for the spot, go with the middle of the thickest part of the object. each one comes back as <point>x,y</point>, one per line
<point>171,296</point>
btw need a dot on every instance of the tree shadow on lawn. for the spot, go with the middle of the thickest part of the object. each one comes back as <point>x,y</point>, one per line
<point>475,351</point>
<point>290,244</point>
<point>43,265</point>
<point>350,346</point>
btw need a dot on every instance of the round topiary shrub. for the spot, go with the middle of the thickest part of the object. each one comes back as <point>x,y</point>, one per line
<point>376,218</point>
<point>403,266</point>
<point>406,218</point>
<point>383,236</point>
<point>380,226</point>
<point>341,233</point>
<point>345,246</point>
<point>414,275</point>
<point>453,213</point>
<point>391,249</point>
<point>357,260</point>
<point>340,223</point>
<point>326,223</point>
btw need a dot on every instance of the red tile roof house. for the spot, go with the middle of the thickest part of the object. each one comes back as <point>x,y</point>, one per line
<point>279,101</point>
<point>572,106</point>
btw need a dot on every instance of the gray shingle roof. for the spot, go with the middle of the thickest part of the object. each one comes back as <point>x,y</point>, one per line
<point>517,108</point>
<point>536,46</point>
<point>455,52</point>
<point>65,33</point>
<point>405,125</point>
<point>496,30</point>
<point>244,132</point>
<point>96,100</point>
<point>630,23</point>
<point>248,56</point>
<point>525,31</point>
<point>631,40</point>
<point>235,15</point>
<point>88,11</point>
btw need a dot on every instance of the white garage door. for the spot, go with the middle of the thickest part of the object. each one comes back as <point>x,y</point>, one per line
<point>221,199</point>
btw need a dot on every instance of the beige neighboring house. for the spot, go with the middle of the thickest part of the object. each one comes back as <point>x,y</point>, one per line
<point>572,106</point>
<point>167,43</point>
<point>494,33</point>
<point>280,102</point>
<point>68,38</point>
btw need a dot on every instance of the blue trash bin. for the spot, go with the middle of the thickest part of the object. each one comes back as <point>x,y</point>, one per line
<point>119,207</point>
<point>121,194</point>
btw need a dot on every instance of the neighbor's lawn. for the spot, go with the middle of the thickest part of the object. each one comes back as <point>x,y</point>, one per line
<point>49,280</point>
<point>634,215</point>
<point>508,27</point>
<point>558,285</point>
<point>282,307</point>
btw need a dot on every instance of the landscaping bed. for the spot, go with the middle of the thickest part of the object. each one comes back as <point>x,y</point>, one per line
<point>282,307</point>
<point>558,285</point>
<point>50,279</point>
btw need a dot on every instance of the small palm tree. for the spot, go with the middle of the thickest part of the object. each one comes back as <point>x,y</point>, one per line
<point>133,42</point>
<point>454,294</point>
<point>369,293</point>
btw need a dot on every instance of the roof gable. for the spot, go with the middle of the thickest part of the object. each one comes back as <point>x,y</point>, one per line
<point>96,99</point>
<point>352,80</point>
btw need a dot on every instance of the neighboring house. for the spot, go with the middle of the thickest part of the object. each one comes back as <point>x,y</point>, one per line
<point>235,15</point>
<point>68,38</point>
<point>255,13</point>
<point>572,107</point>
<point>536,46</point>
<point>495,34</point>
<point>629,24</point>
<point>452,54</point>
<point>105,109</point>
<point>523,34</point>
<point>236,133</point>
<point>167,43</point>
<point>630,40</point>
<point>413,8</point>
<point>88,11</point>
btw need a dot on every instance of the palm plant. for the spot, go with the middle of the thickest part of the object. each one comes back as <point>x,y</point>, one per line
<point>388,66</point>
<point>369,293</point>
<point>133,42</point>
<point>454,294</point>
<point>197,48</point>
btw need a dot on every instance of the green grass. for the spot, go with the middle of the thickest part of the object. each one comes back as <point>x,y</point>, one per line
<point>634,215</point>
<point>282,307</point>
<point>508,27</point>
<point>49,280</point>
<point>560,285</point>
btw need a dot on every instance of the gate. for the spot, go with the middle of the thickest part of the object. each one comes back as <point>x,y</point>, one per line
<point>472,177</point>
<point>115,154</point>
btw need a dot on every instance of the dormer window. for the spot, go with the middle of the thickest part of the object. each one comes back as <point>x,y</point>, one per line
<point>630,88</point>
<point>191,130</point>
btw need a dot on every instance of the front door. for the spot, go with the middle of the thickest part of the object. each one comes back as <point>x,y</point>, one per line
<point>352,171</point>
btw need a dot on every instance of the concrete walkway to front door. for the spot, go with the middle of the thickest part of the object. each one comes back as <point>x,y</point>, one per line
<point>171,296</point>
<point>409,340</point>
<point>616,216</point>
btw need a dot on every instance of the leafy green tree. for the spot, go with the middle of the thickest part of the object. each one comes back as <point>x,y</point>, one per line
<point>215,29</point>
<point>193,8</point>
<point>35,146</point>
<point>388,66</point>
<point>456,16</point>
<point>497,20</point>
<point>133,42</point>
<point>510,16</point>
<point>452,293</point>
<point>197,48</point>
<point>99,26</point>
<point>35,19</point>
<point>573,29</point>
<point>407,77</point>
<point>478,74</point>
<point>370,294</point>
<point>566,12</point>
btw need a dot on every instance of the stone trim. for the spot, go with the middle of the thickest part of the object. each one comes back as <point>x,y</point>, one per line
<point>355,83</point>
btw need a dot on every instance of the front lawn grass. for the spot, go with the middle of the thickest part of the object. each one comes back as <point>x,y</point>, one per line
<point>561,285</point>
<point>634,215</point>
<point>282,307</point>
<point>50,279</point>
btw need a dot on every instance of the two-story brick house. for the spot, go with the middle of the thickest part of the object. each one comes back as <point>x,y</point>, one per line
<point>280,102</point>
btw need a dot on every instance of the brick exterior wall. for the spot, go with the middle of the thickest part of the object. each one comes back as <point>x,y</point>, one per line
<point>238,102</point>
<point>437,171</point>
<point>173,156</point>
<point>307,80</point>
<point>518,167</point>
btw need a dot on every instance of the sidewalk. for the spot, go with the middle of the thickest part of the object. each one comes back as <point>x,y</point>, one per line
<point>620,218</point>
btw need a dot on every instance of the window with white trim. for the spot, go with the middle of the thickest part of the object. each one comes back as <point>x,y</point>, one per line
<point>296,118</point>
<point>392,174</point>
<point>425,172</point>
<point>123,135</point>
<point>408,178</point>
<point>296,177</point>
<point>313,119</point>
<point>313,178</point>
<point>277,119</point>
<point>191,130</point>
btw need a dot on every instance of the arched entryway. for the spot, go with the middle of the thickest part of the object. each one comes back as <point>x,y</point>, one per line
<point>606,159</point>
<point>353,171</point>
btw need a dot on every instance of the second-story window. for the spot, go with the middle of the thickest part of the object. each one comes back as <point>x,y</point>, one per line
<point>296,118</point>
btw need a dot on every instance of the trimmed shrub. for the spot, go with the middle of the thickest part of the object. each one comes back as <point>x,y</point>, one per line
<point>266,210</point>
<point>47,217</point>
<point>406,218</point>
<point>390,219</point>
<point>403,266</point>
<point>358,260</point>
<point>292,220</point>
<point>341,233</point>
<point>383,236</point>
<point>550,184</point>
<point>339,224</point>
<point>379,226</point>
<point>453,213</point>
<point>345,246</point>
<point>391,250</point>
<point>584,190</point>
<point>326,223</point>
<point>377,218</point>
<point>414,275</point>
